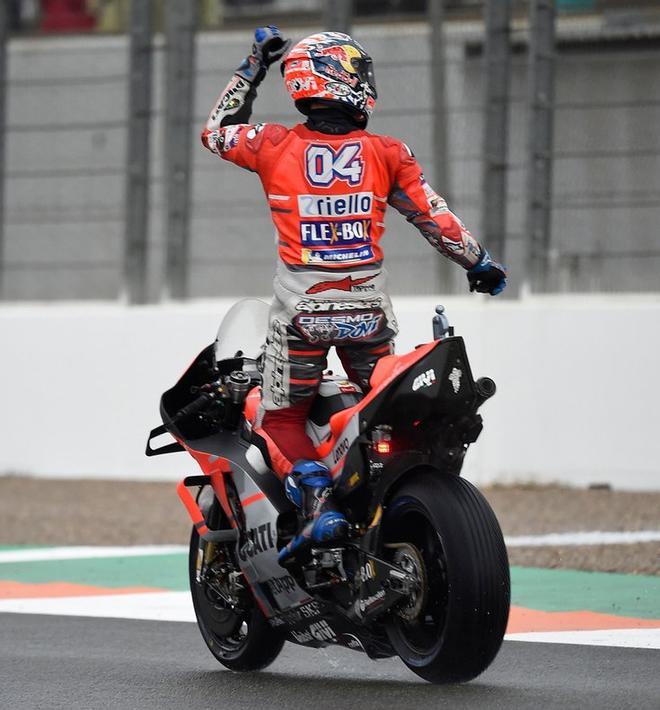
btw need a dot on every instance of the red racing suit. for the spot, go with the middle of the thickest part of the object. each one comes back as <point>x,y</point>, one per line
<point>328,195</point>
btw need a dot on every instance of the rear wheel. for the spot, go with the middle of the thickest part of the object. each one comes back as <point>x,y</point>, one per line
<point>237,635</point>
<point>441,529</point>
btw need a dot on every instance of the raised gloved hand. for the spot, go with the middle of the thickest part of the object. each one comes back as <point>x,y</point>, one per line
<point>487,276</point>
<point>269,47</point>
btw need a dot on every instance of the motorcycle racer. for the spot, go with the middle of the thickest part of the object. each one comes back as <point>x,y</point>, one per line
<point>328,183</point>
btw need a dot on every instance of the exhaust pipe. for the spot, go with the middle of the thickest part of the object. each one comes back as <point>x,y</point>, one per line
<point>486,388</point>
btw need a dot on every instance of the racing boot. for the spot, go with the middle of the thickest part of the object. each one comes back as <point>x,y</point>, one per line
<point>309,487</point>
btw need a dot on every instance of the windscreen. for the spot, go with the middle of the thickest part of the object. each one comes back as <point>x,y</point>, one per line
<point>243,328</point>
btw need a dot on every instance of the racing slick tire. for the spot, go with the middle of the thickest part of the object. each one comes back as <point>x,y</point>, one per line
<point>460,618</point>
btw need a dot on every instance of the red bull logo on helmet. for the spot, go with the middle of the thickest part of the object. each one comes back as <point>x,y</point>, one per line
<point>343,54</point>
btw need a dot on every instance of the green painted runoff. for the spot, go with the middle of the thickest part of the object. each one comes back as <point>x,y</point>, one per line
<point>572,590</point>
<point>159,571</point>
<point>543,589</point>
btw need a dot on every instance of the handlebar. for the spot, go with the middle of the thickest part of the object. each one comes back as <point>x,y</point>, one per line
<point>197,405</point>
<point>231,389</point>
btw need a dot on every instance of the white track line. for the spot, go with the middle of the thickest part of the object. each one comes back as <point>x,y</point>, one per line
<point>630,638</point>
<point>595,537</point>
<point>153,606</point>
<point>177,606</point>
<point>88,552</point>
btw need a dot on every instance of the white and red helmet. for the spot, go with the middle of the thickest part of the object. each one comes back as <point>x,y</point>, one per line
<point>330,67</point>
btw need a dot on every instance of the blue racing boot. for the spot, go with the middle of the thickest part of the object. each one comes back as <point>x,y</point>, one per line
<point>309,486</point>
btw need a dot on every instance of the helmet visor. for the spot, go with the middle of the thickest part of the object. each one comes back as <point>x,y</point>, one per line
<point>364,68</point>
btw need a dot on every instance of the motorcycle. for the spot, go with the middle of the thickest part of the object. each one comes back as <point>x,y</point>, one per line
<point>424,574</point>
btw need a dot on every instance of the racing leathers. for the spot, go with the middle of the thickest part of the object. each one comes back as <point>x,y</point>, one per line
<point>328,183</point>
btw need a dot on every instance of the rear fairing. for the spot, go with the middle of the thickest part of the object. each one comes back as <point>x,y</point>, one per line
<point>431,405</point>
<point>437,385</point>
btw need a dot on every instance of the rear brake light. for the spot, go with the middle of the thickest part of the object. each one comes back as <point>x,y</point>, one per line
<point>383,447</point>
<point>381,440</point>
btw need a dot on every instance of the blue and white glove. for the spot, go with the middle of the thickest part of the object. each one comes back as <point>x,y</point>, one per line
<point>487,276</point>
<point>269,47</point>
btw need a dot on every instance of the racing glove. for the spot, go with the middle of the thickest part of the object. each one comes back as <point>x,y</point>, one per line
<point>269,47</point>
<point>487,276</point>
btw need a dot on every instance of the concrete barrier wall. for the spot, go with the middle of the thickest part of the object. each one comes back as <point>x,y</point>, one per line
<point>577,400</point>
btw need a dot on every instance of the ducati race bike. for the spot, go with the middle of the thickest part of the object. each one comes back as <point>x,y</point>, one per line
<point>424,572</point>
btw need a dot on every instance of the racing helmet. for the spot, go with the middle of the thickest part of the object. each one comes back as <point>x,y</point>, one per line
<point>331,67</point>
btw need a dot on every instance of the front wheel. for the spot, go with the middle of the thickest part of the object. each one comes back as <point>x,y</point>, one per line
<point>441,528</point>
<point>240,638</point>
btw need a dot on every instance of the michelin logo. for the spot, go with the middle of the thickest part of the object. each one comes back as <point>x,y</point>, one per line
<point>354,205</point>
<point>337,256</point>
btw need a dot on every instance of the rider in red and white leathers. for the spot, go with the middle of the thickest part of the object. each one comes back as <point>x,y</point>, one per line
<point>328,183</point>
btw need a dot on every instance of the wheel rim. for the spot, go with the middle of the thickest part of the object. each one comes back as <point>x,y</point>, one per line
<point>226,630</point>
<point>421,635</point>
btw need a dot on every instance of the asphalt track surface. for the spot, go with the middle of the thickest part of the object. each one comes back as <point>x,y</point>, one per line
<point>83,664</point>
